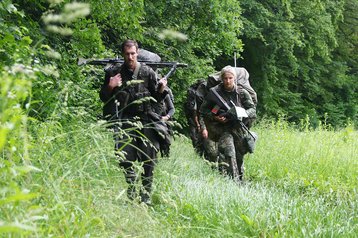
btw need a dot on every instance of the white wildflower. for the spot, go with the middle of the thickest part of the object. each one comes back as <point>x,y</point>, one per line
<point>16,106</point>
<point>11,95</point>
<point>174,35</point>
<point>9,125</point>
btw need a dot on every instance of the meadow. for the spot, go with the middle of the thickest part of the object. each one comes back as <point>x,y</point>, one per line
<point>298,183</point>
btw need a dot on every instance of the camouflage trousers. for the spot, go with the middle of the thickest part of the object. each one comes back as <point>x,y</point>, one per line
<point>132,147</point>
<point>195,137</point>
<point>210,150</point>
<point>232,149</point>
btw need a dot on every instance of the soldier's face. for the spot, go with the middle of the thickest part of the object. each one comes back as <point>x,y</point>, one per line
<point>130,56</point>
<point>228,81</point>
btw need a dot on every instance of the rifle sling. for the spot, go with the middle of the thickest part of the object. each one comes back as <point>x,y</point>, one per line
<point>136,71</point>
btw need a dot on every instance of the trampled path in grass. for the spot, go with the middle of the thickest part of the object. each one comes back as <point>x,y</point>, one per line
<point>298,184</point>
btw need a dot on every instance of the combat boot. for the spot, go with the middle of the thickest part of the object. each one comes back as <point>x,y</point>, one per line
<point>145,198</point>
<point>131,192</point>
<point>130,177</point>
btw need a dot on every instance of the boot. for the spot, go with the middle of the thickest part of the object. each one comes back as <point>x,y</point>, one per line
<point>131,181</point>
<point>145,198</point>
<point>131,192</point>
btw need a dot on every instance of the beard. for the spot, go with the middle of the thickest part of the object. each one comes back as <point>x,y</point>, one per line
<point>131,64</point>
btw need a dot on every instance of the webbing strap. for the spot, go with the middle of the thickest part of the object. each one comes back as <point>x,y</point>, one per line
<point>136,71</point>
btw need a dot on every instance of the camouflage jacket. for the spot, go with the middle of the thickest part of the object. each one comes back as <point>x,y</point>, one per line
<point>212,107</point>
<point>123,101</point>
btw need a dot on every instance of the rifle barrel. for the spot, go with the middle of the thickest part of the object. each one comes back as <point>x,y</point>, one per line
<point>82,61</point>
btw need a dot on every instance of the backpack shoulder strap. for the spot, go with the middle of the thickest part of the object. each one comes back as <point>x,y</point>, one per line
<point>136,71</point>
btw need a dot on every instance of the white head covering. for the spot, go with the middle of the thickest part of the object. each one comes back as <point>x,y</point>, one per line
<point>228,69</point>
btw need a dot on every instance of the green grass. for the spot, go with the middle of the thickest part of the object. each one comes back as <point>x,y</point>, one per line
<point>299,184</point>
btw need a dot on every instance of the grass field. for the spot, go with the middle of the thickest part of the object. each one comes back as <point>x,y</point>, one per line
<point>298,184</point>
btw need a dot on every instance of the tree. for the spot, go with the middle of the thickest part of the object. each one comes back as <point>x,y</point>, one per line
<point>195,32</point>
<point>288,50</point>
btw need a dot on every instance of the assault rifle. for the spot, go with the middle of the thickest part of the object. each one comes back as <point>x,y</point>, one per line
<point>109,62</point>
<point>234,112</point>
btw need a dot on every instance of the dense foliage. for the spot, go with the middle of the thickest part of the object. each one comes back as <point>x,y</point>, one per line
<point>291,52</point>
<point>301,55</point>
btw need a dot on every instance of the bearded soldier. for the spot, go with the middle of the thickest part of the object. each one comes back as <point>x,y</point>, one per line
<point>124,88</point>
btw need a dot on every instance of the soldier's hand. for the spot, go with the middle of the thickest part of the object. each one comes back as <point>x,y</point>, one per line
<point>115,81</point>
<point>220,119</point>
<point>204,133</point>
<point>165,118</point>
<point>162,84</point>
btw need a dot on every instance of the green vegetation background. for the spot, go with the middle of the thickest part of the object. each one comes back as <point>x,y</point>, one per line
<point>58,174</point>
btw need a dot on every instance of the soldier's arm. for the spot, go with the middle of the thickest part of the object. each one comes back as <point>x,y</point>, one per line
<point>170,106</point>
<point>248,104</point>
<point>111,87</point>
<point>158,92</point>
<point>205,113</point>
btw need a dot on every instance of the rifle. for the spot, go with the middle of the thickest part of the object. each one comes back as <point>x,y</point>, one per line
<point>111,61</point>
<point>235,112</point>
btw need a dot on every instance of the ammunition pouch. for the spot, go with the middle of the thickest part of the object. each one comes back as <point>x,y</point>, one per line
<point>143,106</point>
<point>122,97</point>
<point>162,131</point>
<point>251,141</point>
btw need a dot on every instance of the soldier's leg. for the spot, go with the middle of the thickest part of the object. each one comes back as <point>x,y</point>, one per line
<point>147,178</point>
<point>192,133</point>
<point>126,163</point>
<point>195,138</point>
<point>227,154</point>
<point>199,148</point>
<point>240,165</point>
<point>126,155</point>
<point>211,150</point>
<point>241,150</point>
<point>148,159</point>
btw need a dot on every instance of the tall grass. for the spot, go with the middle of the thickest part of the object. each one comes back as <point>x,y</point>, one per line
<point>298,184</point>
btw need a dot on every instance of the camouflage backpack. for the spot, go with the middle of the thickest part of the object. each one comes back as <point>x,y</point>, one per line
<point>190,104</point>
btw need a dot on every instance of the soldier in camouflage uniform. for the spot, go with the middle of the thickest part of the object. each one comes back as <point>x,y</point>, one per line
<point>191,113</point>
<point>204,146</point>
<point>210,147</point>
<point>123,86</point>
<point>221,127</point>
<point>164,111</point>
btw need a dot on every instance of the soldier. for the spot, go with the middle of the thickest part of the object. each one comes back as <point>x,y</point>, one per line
<point>191,110</point>
<point>120,93</point>
<point>210,147</point>
<point>165,111</point>
<point>204,146</point>
<point>224,129</point>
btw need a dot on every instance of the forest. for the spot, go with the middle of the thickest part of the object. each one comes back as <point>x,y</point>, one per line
<point>302,61</point>
<point>301,55</point>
